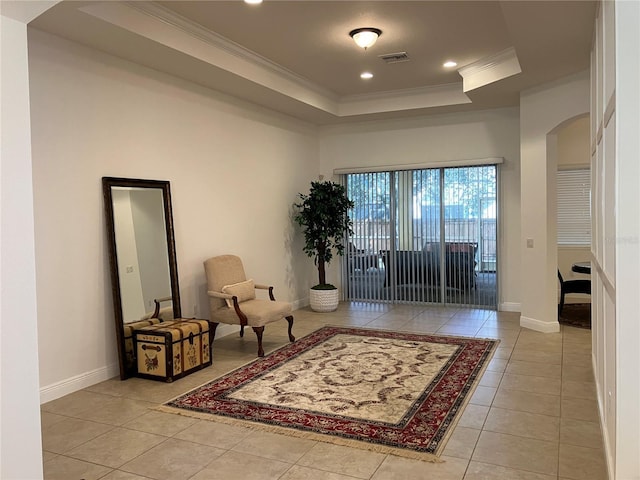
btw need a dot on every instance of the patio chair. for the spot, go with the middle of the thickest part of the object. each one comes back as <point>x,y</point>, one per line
<point>572,286</point>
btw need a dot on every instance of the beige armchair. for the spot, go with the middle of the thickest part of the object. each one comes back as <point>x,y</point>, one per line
<point>232,299</point>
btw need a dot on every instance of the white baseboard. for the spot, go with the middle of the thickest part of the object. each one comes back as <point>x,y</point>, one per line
<point>539,325</point>
<point>300,303</point>
<point>73,384</point>
<point>510,307</point>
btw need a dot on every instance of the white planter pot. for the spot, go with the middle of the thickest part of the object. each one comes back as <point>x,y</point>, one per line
<point>323,300</point>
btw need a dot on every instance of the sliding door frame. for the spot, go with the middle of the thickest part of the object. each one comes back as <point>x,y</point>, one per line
<point>392,295</point>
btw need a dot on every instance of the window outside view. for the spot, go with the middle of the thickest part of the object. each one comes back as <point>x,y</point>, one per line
<point>424,236</point>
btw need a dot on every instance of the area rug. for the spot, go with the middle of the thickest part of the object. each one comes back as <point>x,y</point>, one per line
<point>576,315</point>
<point>390,392</point>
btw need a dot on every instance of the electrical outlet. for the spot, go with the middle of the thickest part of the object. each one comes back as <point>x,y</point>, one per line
<point>529,242</point>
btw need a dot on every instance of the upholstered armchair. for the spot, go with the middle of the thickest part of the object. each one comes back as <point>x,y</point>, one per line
<point>232,299</point>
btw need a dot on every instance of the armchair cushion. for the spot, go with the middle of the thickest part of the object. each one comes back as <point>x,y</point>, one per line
<point>259,313</point>
<point>243,290</point>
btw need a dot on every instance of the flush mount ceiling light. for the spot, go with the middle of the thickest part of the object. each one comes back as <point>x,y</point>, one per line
<point>253,2</point>
<point>365,37</point>
<point>366,75</point>
<point>449,64</point>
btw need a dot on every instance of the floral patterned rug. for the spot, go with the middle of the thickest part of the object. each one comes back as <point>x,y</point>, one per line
<point>386,391</point>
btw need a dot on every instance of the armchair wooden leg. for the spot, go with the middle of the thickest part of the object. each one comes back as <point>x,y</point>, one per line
<point>290,320</point>
<point>561,305</point>
<point>259,331</point>
<point>241,331</point>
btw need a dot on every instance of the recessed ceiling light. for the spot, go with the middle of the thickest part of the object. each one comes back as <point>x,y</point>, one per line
<point>253,2</point>
<point>366,75</point>
<point>450,64</point>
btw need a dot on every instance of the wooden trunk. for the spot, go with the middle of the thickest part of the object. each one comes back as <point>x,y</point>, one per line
<point>129,350</point>
<point>170,350</point>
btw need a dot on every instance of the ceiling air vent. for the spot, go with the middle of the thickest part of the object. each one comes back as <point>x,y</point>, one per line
<point>395,57</point>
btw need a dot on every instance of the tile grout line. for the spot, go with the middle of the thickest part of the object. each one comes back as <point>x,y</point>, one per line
<point>413,315</point>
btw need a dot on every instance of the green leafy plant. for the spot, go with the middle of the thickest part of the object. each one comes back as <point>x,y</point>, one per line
<point>323,215</point>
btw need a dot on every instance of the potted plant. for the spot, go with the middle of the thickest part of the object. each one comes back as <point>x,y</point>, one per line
<point>323,216</point>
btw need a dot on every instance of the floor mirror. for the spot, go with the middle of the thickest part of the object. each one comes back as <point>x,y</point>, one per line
<point>142,258</point>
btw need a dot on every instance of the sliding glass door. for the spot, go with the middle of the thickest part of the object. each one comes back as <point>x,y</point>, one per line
<point>424,236</point>
<point>470,235</point>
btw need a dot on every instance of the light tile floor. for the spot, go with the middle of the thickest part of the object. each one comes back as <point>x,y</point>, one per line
<point>533,417</point>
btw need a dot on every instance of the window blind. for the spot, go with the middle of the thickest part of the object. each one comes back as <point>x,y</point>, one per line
<point>574,207</point>
<point>423,236</point>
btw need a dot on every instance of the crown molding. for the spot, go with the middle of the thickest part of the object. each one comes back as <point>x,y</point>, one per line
<point>216,40</point>
<point>453,88</point>
<point>407,99</point>
<point>159,24</point>
<point>490,69</point>
<point>24,12</point>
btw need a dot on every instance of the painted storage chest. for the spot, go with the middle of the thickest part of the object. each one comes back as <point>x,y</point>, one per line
<point>170,350</point>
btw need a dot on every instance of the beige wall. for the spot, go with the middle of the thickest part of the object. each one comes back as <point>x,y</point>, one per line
<point>574,144</point>
<point>544,111</point>
<point>234,169</point>
<point>441,138</point>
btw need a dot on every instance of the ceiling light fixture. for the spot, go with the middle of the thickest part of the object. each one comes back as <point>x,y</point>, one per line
<point>365,37</point>
<point>366,75</point>
<point>450,64</point>
<point>253,2</point>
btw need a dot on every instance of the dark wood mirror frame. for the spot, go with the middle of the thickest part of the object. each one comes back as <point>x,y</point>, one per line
<point>107,184</point>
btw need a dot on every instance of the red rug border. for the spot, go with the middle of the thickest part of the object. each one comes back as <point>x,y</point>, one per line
<point>423,413</point>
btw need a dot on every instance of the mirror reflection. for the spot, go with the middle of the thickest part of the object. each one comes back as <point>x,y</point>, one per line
<point>142,257</point>
<point>143,262</point>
